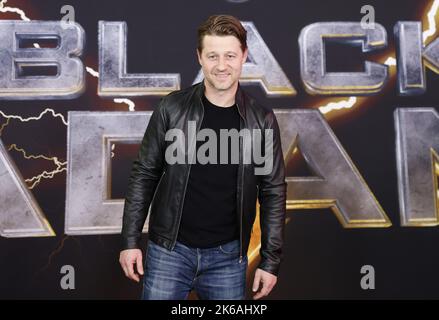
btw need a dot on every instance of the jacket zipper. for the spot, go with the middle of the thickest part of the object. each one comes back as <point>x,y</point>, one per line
<point>187,178</point>
<point>242,180</point>
<point>240,231</point>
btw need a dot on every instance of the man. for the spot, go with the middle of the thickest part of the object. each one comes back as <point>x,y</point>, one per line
<point>202,213</point>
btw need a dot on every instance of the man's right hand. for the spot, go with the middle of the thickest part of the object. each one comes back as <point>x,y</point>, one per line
<point>128,258</point>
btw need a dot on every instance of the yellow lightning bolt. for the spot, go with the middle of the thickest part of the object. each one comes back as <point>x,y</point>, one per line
<point>60,166</point>
<point>431,21</point>
<point>53,253</point>
<point>14,10</point>
<point>3,126</point>
<point>47,110</point>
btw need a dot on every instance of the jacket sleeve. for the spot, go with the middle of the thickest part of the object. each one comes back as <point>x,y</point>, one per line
<point>272,200</point>
<point>145,174</point>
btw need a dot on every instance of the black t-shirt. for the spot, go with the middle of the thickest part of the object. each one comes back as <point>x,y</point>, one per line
<point>209,215</point>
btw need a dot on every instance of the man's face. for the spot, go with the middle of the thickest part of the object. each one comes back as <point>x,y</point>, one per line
<point>221,60</point>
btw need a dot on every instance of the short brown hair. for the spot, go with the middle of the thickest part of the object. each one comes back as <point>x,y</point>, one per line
<point>222,25</point>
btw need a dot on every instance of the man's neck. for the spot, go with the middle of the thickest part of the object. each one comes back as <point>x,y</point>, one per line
<point>220,98</point>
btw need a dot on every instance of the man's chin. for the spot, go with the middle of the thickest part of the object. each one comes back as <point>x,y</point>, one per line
<point>223,86</point>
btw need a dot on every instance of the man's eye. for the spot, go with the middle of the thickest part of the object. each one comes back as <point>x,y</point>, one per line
<point>230,56</point>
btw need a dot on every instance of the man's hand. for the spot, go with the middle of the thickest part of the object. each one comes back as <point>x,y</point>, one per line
<point>268,282</point>
<point>127,259</point>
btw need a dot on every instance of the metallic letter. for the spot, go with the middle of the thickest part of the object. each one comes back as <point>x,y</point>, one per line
<point>69,81</point>
<point>411,72</point>
<point>89,209</point>
<point>417,139</point>
<point>312,59</point>
<point>114,81</point>
<point>337,184</point>
<point>20,215</point>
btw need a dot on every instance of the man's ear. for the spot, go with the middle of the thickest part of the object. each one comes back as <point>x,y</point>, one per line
<point>199,56</point>
<point>244,57</point>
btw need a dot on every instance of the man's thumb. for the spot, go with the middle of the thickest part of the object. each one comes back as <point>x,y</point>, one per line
<point>139,264</point>
<point>256,281</point>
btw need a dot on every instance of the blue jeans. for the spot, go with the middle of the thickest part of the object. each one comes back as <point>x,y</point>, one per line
<point>215,273</point>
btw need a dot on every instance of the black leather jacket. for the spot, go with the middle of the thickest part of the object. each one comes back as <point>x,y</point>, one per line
<point>161,185</point>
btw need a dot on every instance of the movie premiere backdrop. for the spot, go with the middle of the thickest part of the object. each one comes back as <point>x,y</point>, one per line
<point>354,86</point>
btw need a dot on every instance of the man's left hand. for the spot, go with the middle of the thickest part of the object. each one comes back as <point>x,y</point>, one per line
<point>268,282</point>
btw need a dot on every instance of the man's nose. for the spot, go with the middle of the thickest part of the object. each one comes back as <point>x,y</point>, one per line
<point>221,63</point>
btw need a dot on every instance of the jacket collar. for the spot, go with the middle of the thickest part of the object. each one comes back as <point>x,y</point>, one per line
<point>239,97</point>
